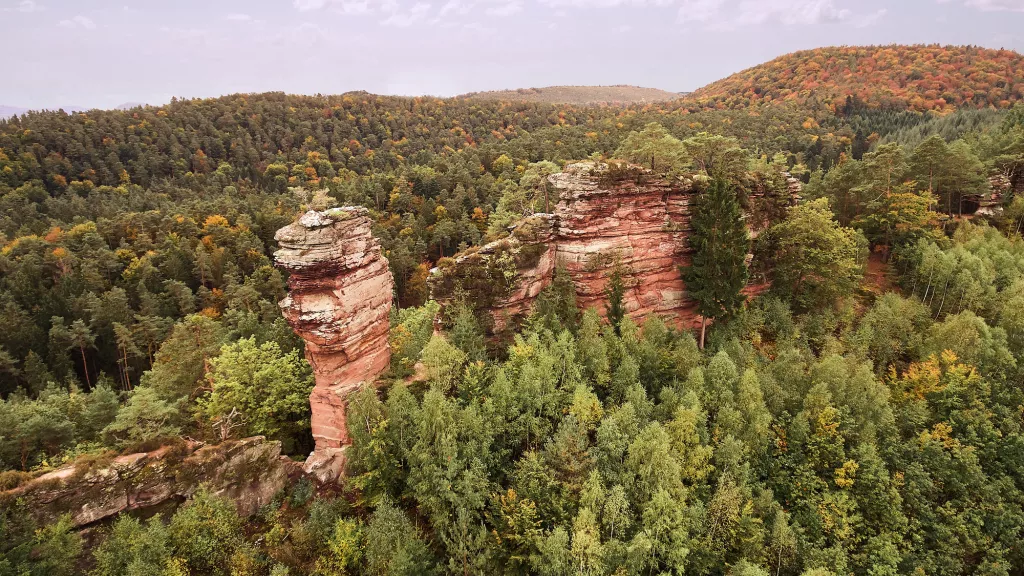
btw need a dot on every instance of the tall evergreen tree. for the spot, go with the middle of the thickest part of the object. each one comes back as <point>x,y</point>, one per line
<point>719,241</point>
<point>614,291</point>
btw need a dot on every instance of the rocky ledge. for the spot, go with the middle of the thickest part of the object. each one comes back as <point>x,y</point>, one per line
<point>249,472</point>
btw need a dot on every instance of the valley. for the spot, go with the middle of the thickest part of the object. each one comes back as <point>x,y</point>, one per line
<point>767,327</point>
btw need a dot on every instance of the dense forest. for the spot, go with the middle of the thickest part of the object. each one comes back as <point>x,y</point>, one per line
<point>864,416</point>
<point>920,78</point>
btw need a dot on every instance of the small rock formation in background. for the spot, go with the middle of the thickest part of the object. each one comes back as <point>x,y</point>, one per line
<point>249,472</point>
<point>605,217</point>
<point>339,303</point>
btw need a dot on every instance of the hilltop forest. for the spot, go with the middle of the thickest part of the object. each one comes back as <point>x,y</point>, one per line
<point>864,415</point>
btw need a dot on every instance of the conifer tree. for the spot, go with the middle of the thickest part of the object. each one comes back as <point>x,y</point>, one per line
<point>615,290</point>
<point>719,241</point>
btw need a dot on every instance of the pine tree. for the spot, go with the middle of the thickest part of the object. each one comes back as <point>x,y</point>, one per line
<point>615,290</point>
<point>719,241</point>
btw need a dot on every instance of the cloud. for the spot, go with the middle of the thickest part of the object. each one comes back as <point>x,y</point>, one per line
<point>606,3</point>
<point>407,18</point>
<point>700,10</point>
<point>354,7</point>
<point>347,6</point>
<point>507,9</point>
<point>26,7</point>
<point>78,22</point>
<point>729,14</point>
<point>239,17</point>
<point>869,20</point>
<point>492,7</point>
<point>992,5</point>
<point>790,12</point>
<point>307,5</point>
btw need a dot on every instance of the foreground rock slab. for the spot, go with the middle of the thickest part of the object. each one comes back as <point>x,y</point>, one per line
<point>249,472</point>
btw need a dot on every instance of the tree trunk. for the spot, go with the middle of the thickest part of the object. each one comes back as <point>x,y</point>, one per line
<point>85,368</point>
<point>127,380</point>
<point>703,329</point>
<point>943,301</point>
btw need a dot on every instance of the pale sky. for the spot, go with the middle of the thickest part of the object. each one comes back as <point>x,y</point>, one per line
<point>97,53</point>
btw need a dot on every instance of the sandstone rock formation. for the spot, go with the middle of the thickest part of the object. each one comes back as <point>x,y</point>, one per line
<point>633,219</point>
<point>341,288</point>
<point>339,301</point>
<point>249,472</point>
<point>605,217</point>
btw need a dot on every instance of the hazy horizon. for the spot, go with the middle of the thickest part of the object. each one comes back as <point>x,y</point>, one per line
<point>104,53</point>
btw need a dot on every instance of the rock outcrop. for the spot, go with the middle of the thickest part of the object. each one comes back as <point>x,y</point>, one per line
<point>339,301</point>
<point>630,219</point>
<point>249,472</point>
<point>605,217</point>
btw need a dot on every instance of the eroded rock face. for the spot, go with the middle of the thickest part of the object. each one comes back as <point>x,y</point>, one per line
<point>249,472</point>
<point>339,300</point>
<point>603,217</point>
<point>633,218</point>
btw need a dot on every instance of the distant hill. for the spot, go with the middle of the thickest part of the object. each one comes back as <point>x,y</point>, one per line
<point>620,94</point>
<point>916,77</point>
<point>8,111</point>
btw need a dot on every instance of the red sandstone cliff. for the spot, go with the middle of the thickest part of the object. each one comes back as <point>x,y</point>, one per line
<point>604,216</point>
<point>633,218</point>
<point>339,301</point>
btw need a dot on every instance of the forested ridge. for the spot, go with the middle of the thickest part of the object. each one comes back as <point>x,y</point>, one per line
<point>838,424</point>
<point>844,78</point>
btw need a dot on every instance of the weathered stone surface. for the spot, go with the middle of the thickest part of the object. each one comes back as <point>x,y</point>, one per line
<point>633,218</point>
<point>604,216</point>
<point>339,300</point>
<point>248,471</point>
<point>507,275</point>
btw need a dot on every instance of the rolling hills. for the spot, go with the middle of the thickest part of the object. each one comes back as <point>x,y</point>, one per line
<point>618,94</point>
<point>916,77</point>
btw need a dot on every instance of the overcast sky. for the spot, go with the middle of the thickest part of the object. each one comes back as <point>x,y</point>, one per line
<point>105,53</point>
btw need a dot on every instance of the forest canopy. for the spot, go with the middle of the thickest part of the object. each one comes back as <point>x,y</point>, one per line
<point>862,415</point>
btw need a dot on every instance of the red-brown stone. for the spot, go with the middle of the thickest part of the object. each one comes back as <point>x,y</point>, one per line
<point>604,217</point>
<point>339,301</point>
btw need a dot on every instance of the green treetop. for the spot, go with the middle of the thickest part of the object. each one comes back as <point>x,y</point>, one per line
<point>719,241</point>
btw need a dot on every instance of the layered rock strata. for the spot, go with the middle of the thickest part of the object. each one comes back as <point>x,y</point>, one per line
<point>606,217</point>
<point>249,472</point>
<point>631,220</point>
<point>339,301</point>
